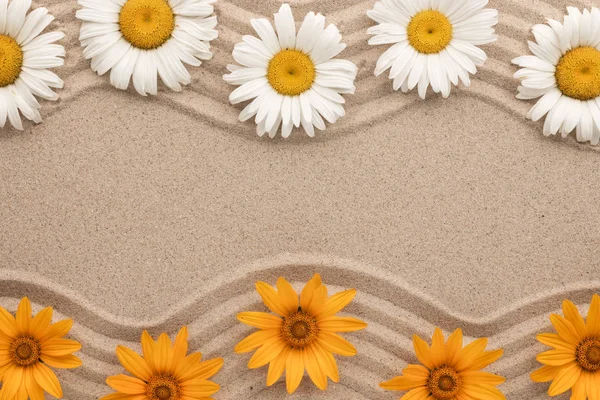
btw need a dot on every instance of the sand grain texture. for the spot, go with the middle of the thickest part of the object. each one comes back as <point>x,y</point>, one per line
<point>128,213</point>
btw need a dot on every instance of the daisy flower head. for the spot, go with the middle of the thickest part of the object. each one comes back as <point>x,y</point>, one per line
<point>25,58</point>
<point>165,372</point>
<point>141,39</point>
<point>302,335</point>
<point>434,41</point>
<point>291,76</point>
<point>28,348</point>
<point>449,370</point>
<point>574,361</point>
<point>564,72</point>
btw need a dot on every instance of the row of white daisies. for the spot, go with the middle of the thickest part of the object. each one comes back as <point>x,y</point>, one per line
<point>289,76</point>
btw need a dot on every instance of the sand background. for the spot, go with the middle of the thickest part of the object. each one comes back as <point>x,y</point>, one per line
<point>128,213</point>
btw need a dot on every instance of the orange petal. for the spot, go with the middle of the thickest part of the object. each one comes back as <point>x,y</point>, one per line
<point>126,384</point>
<point>266,353</point>
<point>438,348</point>
<point>545,374</point>
<point>328,362</point>
<point>554,340</point>
<point>574,317</point>
<point>41,322</point>
<point>470,353</point>
<point>271,298</point>
<point>487,358</point>
<point>341,324</point>
<point>277,366</point>
<point>8,324</point>
<point>309,290</point>
<point>205,369</point>
<point>313,367</point>
<point>565,379</point>
<point>65,362</point>
<point>556,357</point>
<point>134,363</point>
<point>199,388</point>
<point>180,348</point>
<point>260,320</point>
<point>294,370</point>
<point>336,303</point>
<point>57,330</point>
<point>565,329</point>
<point>336,344</point>
<point>60,347</point>
<point>453,347</point>
<point>256,340</point>
<point>593,317</point>
<point>423,352</point>
<point>12,382</point>
<point>47,379</point>
<point>288,297</point>
<point>23,316</point>
<point>402,383</point>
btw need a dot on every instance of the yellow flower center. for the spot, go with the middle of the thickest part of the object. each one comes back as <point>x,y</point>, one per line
<point>25,351</point>
<point>291,72</point>
<point>163,387</point>
<point>429,32</point>
<point>588,354</point>
<point>11,60</point>
<point>578,73</point>
<point>443,383</point>
<point>147,24</point>
<point>299,329</point>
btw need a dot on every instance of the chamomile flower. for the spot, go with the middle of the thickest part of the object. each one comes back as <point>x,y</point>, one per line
<point>292,77</point>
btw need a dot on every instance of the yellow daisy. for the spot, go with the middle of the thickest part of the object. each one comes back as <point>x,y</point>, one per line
<point>302,335</point>
<point>165,372</point>
<point>28,347</point>
<point>574,361</point>
<point>449,371</point>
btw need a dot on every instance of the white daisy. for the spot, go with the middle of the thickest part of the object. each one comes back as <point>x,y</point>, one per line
<point>25,57</point>
<point>292,78</point>
<point>435,41</point>
<point>144,38</point>
<point>565,72</point>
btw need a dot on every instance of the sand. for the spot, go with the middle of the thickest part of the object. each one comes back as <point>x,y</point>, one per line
<point>127,213</point>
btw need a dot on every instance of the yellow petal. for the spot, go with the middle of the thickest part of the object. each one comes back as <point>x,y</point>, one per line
<point>60,347</point>
<point>66,362</point>
<point>294,370</point>
<point>277,366</point>
<point>8,325</point>
<point>288,296</point>
<point>593,317</point>
<point>34,390</point>
<point>341,324</point>
<point>336,344</point>
<point>185,368</point>
<point>336,303</point>
<point>327,361</point>
<point>199,388</point>
<point>454,346</point>
<point>23,316</point>
<point>483,392</point>
<point>123,396</point>
<point>402,383</point>
<point>556,357</point>
<point>579,389</point>
<point>421,393</point>
<point>317,304</point>
<point>256,340</point>
<point>313,367</point>
<point>309,290</point>
<point>423,352</point>
<point>134,363</point>
<point>554,340</point>
<point>148,349</point>
<point>205,370</point>
<point>260,320</point>
<point>416,372</point>
<point>11,382</point>
<point>545,374</point>
<point>438,348</point>
<point>565,379</point>
<point>47,379</point>
<point>57,330</point>
<point>481,378</point>
<point>41,322</point>
<point>126,384</point>
<point>565,329</point>
<point>180,348</point>
<point>592,386</point>
<point>266,353</point>
<point>163,353</point>
<point>470,353</point>
<point>271,298</point>
<point>574,317</point>
<point>486,359</point>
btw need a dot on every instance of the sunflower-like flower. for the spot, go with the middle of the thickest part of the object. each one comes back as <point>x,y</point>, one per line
<point>449,371</point>
<point>28,347</point>
<point>26,55</point>
<point>139,40</point>
<point>564,72</point>
<point>574,361</point>
<point>165,372</point>
<point>435,42</point>
<point>292,77</point>
<point>303,334</point>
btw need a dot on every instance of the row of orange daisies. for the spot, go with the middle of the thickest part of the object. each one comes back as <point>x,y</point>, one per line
<point>300,335</point>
